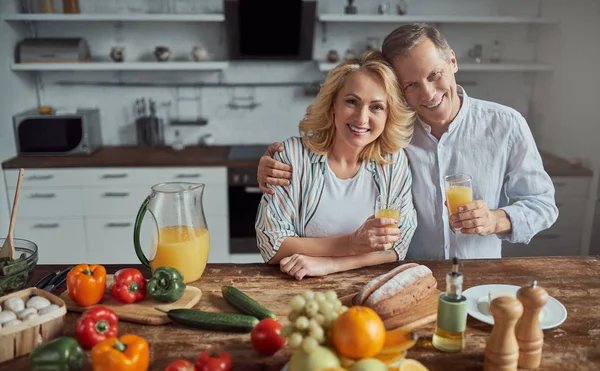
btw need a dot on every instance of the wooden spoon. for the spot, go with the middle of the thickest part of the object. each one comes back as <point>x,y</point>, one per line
<point>8,249</point>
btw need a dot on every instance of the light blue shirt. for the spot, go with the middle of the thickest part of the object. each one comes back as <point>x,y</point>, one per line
<point>493,144</point>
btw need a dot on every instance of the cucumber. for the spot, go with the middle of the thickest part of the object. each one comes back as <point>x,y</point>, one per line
<point>245,303</point>
<point>215,321</point>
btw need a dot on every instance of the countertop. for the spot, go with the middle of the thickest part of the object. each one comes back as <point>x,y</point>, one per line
<point>200,156</point>
<point>574,345</point>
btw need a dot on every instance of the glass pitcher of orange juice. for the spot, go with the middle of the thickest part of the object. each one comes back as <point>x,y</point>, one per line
<point>181,239</point>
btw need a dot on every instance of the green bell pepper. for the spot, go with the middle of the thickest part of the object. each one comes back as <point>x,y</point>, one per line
<point>166,285</point>
<point>60,354</point>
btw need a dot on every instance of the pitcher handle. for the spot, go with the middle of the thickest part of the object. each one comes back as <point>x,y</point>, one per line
<point>136,233</point>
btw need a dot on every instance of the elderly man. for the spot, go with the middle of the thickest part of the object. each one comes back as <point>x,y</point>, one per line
<point>454,133</point>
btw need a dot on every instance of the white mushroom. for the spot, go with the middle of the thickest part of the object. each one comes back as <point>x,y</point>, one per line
<point>48,309</point>
<point>30,316</point>
<point>25,312</point>
<point>7,316</point>
<point>38,302</point>
<point>11,323</point>
<point>14,305</point>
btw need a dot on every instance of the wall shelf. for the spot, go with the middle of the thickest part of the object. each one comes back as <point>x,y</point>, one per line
<point>377,18</point>
<point>124,66</point>
<point>341,18</point>
<point>114,17</point>
<point>479,67</point>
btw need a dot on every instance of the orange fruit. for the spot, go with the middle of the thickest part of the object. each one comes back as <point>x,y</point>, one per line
<point>358,333</point>
<point>399,340</point>
<point>390,358</point>
<point>410,364</point>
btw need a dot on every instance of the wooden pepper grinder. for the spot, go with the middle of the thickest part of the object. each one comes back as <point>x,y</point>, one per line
<point>528,330</point>
<point>502,349</point>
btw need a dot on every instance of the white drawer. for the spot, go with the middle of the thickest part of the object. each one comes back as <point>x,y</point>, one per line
<point>126,201</point>
<point>246,258</point>
<point>206,175</point>
<point>219,239</point>
<point>114,201</point>
<point>60,241</point>
<point>214,201</point>
<point>571,186</point>
<point>48,203</point>
<point>110,240</point>
<point>147,177</point>
<point>551,242</point>
<point>41,178</point>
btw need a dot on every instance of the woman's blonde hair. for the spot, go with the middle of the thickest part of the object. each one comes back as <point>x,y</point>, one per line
<point>317,129</point>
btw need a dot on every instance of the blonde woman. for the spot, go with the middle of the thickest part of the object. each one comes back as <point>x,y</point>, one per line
<point>350,151</point>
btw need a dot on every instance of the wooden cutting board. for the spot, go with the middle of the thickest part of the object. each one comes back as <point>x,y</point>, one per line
<point>144,311</point>
<point>423,313</point>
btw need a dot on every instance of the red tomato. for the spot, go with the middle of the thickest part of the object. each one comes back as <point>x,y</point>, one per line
<point>266,337</point>
<point>213,360</point>
<point>180,365</point>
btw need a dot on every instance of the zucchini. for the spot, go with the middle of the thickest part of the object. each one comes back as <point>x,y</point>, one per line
<point>245,303</point>
<point>215,321</point>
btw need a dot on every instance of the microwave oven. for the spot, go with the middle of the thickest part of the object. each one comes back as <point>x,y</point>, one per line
<point>58,133</point>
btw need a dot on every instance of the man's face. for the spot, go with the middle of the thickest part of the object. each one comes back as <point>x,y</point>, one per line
<point>427,80</point>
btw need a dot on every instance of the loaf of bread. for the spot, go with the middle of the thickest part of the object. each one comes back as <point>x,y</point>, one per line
<point>398,290</point>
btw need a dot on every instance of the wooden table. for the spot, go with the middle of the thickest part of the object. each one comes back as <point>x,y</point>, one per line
<point>574,281</point>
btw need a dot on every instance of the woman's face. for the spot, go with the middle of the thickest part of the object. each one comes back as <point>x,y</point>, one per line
<point>360,109</point>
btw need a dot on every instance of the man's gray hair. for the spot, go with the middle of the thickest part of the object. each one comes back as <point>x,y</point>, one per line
<point>404,38</point>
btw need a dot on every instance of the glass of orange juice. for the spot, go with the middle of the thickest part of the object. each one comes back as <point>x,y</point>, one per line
<point>387,207</point>
<point>459,192</point>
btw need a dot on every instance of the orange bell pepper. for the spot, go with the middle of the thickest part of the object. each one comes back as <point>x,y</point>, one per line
<point>127,353</point>
<point>86,284</point>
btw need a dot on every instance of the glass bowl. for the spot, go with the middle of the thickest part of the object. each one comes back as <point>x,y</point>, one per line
<point>18,279</point>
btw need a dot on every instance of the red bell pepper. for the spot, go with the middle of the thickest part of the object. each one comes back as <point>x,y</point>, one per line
<point>129,286</point>
<point>95,325</point>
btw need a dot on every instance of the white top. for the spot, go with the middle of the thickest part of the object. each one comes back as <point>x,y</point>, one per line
<point>493,144</point>
<point>345,204</point>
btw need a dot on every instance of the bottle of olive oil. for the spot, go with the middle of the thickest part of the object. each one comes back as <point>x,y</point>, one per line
<point>450,328</point>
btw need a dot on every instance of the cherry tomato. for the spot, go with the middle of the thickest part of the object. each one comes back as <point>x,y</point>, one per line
<point>213,360</point>
<point>180,365</point>
<point>266,337</point>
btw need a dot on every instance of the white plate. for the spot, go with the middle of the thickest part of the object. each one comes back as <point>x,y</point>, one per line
<point>553,314</point>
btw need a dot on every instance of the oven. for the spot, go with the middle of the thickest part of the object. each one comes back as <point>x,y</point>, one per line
<point>244,195</point>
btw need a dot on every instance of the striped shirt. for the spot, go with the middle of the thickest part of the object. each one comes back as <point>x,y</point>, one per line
<point>288,211</point>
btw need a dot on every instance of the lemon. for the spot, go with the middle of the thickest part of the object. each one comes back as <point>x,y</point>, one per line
<point>412,365</point>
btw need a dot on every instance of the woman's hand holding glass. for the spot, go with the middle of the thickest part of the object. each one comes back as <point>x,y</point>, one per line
<point>374,235</point>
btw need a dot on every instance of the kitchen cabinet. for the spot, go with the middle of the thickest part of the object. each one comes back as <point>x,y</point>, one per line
<point>564,237</point>
<point>595,243</point>
<point>88,214</point>
<point>59,240</point>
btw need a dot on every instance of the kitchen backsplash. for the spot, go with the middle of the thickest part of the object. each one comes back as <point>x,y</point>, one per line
<point>278,109</point>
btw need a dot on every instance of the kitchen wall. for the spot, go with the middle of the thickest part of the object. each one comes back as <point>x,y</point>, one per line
<point>280,107</point>
<point>565,99</point>
<point>16,93</point>
<point>560,105</point>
